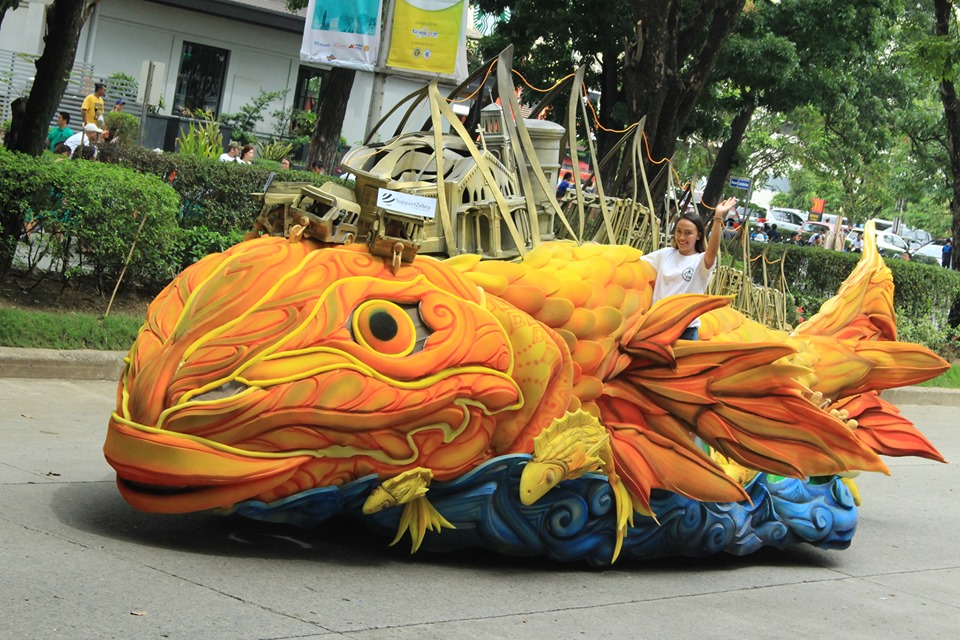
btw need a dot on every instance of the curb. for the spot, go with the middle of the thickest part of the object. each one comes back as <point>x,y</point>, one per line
<point>923,396</point>
<point>89,364</point>
<point>81,364</point>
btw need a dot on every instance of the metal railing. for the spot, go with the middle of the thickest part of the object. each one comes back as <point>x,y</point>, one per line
<point>17,72</point>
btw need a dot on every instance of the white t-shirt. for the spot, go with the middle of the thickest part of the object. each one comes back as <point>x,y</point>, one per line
<point>677,273</point>
<point>79,140</point>
<point>225,157</point>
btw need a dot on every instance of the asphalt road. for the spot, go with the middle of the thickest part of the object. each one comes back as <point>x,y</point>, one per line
<point>76,562</point>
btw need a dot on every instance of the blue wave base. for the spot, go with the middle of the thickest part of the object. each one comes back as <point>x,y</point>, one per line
<point>576,520</point>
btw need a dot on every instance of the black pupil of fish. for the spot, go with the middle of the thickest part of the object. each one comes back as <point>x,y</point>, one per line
<point>383,326</point>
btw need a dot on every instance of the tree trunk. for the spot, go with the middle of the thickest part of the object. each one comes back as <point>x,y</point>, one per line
<point>65,18</point>
<point>28,130</point>
<point>951,110</point>
<point>724,161</point>
<point>325,142</point>
<point>668,63</point>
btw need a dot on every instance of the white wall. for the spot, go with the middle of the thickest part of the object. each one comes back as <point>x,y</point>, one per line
<point>132,31</point>
<point>23,28</point>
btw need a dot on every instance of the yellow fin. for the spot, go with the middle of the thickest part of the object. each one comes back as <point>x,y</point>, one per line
<point>419,517</point>
<point>400,489</point>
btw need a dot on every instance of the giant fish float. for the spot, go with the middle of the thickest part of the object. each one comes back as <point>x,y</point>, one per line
<point>535,407</point>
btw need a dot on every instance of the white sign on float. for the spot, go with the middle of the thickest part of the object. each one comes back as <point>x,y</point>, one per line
<point>407,204</point>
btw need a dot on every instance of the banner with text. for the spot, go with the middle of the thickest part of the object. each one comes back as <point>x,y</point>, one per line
<point>429,36</point>
<point>342,33</point>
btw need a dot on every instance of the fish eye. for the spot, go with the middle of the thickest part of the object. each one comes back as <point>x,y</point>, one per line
<point>388,328</point>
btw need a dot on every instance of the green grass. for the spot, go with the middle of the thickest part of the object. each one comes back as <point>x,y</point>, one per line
<point>41,329</point>
<point>950,379</point>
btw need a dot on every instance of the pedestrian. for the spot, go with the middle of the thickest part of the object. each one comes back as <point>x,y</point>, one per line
<point>686,266</point>
<point>774,235</point>
<point>945,253</point>
<point>232,152</point>
<point>246,154</point>
<point>92,108</point>
<point>858,243</point>
<point>61,132</point>
<point>564,184</point>
<point>729,230</point>
<point>88,137</point>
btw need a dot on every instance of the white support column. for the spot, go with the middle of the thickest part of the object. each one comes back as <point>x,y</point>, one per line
<point>375,110</point>
<point>91,28</point>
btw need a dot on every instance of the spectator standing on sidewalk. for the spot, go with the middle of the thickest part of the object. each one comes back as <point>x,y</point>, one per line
<point>246,154</point>
<point>61,132</point>
<point>232,152</point>
<point>92,108</point>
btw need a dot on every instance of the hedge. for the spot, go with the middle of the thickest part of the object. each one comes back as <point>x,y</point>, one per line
<point>213,194</point>
<point>194,206</point>
<point>926,298</point>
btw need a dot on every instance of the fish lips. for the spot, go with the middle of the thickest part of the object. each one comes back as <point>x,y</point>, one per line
<point>160,471</point>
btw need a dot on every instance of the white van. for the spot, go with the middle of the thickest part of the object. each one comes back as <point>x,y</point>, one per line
<point>787,220</point>
<point>882,225</point>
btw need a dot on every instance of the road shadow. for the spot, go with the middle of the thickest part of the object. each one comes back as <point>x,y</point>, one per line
<point>99,510</point>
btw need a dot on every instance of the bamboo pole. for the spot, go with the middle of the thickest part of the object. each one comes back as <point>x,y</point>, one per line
<point>126,263</point>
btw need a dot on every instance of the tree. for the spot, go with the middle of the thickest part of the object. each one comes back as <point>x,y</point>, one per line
<point>650,58</point>
<point>333,99</point>
<point>31,116</point>
<point>668,62</point>
<point>946,32</point>
<point>550,39</point>
<point>787,55</point>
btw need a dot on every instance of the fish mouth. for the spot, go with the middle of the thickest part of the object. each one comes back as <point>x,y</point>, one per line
<point>158,471</point>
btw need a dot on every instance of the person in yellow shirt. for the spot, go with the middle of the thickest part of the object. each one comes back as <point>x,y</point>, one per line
<point>92,108</point>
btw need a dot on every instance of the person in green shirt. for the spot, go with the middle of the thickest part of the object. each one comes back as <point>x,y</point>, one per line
<point>61,132</point>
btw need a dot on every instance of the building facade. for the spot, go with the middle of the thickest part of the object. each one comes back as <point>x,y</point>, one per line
<point>214,54</point>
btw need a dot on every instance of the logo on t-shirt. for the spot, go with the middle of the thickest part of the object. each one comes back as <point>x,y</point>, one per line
<point>687,274</point>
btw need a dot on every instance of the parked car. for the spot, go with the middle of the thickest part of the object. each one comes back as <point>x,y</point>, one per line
<point>756,216</point>
<point>787,220</point>
<point>890,245</point>
<point>809,228</point>
<point>882,225</point>
<point>931,252</point>
<point>915,238</point>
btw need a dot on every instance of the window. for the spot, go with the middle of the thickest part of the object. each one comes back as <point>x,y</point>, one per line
<point>310,83</point>
<point>203,72</point>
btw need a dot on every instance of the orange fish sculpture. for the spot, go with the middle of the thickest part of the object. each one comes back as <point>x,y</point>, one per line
<point>278,370</point>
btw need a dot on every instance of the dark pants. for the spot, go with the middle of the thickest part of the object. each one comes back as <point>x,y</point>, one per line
<point>690,333</point>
